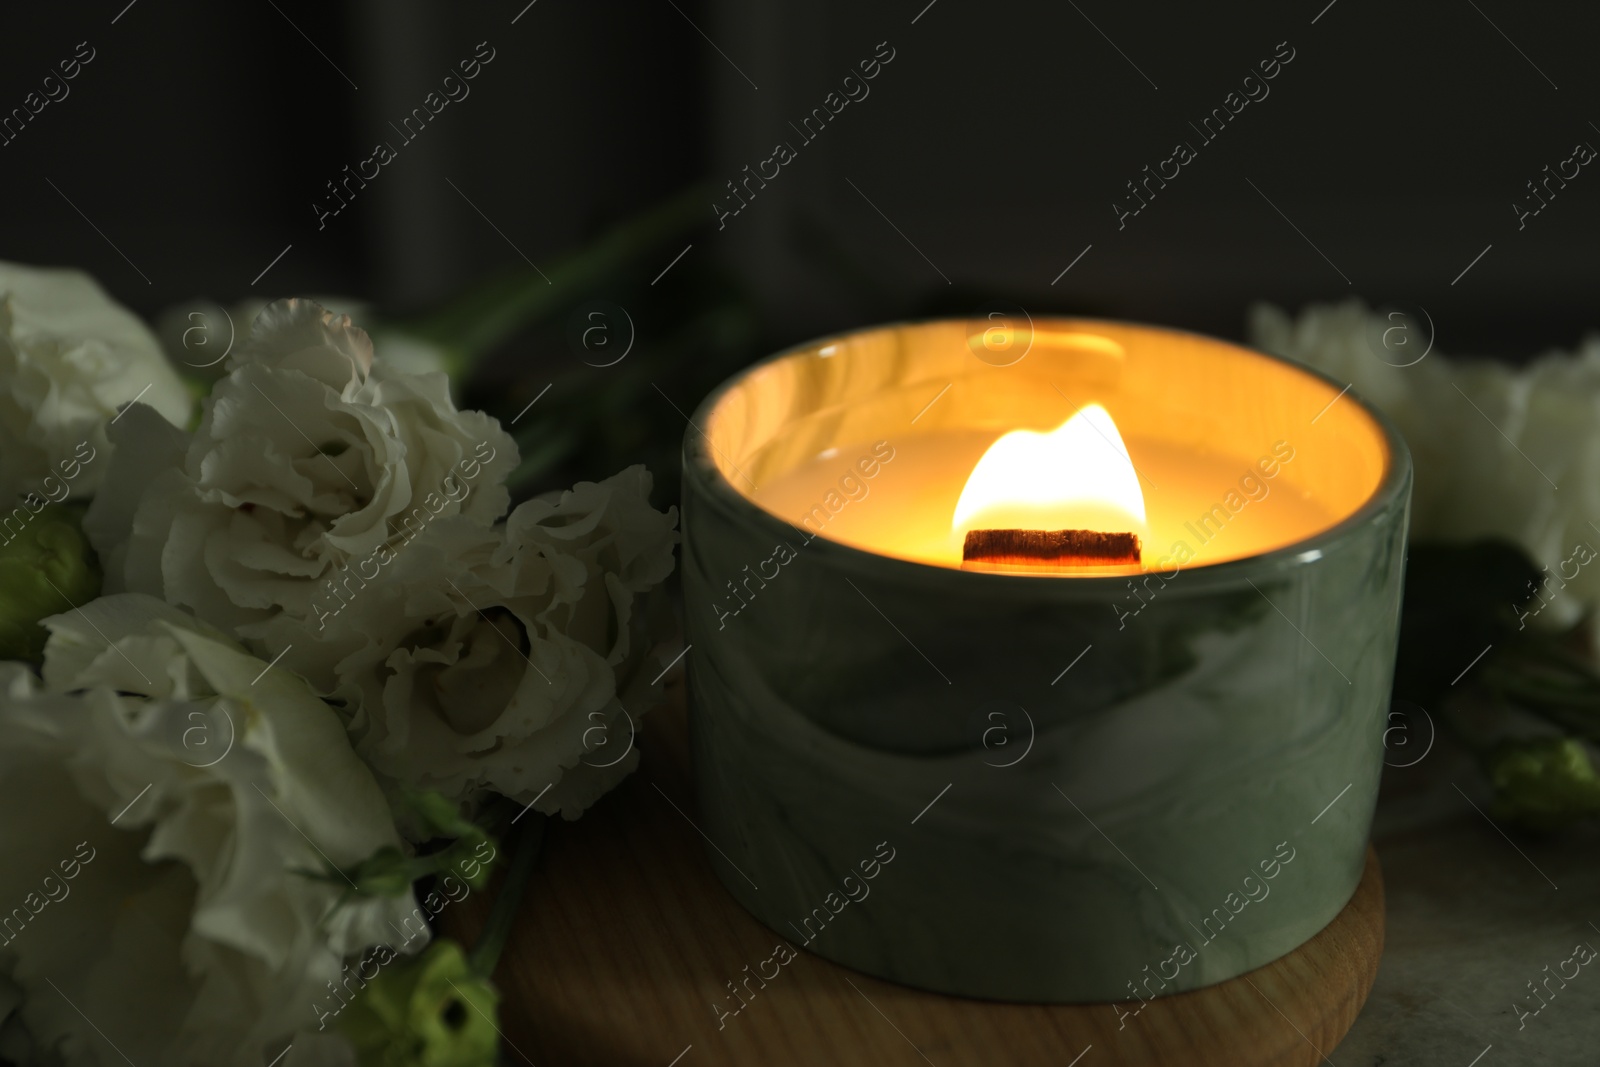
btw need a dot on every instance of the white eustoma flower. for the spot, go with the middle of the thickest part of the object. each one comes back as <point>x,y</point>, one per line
<point>166,795</point>
<point>1500,451</point>
<point>200,334</point>
<point>70,356</point>
<point>516,659</point>
<point>308,455</point>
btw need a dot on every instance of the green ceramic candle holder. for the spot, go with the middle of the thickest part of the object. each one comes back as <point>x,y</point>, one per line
<point>1040,788</point>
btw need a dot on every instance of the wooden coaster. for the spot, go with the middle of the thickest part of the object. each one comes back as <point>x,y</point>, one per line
<point>626,939</point>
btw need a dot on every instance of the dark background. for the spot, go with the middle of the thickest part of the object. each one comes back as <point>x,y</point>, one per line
<point>991,149</point>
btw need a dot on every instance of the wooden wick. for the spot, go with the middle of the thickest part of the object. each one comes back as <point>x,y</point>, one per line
<point>1047,551</point>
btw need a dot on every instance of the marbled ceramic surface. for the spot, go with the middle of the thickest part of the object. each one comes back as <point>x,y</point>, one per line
<point>854,700</point>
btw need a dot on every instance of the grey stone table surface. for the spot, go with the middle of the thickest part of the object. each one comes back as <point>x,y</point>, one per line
<point>1475,915</point>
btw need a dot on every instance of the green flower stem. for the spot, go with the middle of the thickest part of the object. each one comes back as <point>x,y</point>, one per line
<point>487,315</point>
<point>524,857</point>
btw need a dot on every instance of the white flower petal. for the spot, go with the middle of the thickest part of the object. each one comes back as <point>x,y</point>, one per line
<point>70,356</point>
<point>188,936</point>
<point>308,459</point>
<point>491,658</point>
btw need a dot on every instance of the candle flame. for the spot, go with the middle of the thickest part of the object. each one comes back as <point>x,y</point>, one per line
<point>1075,477</point>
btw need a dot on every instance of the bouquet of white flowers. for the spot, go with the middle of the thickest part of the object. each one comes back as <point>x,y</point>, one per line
<point>267,665</point>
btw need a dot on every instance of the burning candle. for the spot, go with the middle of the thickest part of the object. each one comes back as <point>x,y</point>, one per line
<point>1091,445</point>
<point>1163,568</point>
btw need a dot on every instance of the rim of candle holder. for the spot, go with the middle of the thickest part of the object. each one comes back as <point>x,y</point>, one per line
<point>721,493</point>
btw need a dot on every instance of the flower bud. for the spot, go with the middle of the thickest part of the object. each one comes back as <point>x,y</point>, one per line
<point>46,568</point>
<point>428,1011</point>
<point>1544,784</point>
